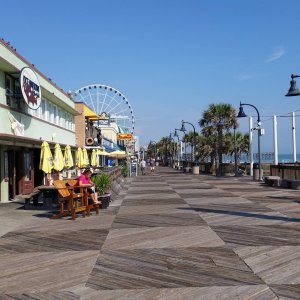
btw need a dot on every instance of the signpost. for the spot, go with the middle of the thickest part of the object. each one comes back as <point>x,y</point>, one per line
<point>125,137</point>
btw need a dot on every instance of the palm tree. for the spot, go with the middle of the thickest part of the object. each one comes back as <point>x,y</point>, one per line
<point>151,150</point>
<point>214,120</point>
<point>241,142</point>
<point>206,147</point>
<point>164,148</point>
<point>219,114</point>
<point>189,138</point>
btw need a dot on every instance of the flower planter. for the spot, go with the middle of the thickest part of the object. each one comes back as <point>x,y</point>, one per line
<point>104,199</point>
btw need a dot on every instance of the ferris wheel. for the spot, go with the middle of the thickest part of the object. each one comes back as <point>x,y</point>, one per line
<point>105,99</point>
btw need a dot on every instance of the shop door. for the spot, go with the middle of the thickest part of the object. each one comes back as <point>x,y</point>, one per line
<point>10,170</point>
<point>25,172</point>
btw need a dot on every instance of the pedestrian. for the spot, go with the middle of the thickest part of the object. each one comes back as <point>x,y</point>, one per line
<point>85,181</point>
<point>143,166</point>
<point>152,165</point>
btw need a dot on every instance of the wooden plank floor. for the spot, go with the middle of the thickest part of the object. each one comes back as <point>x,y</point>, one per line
<point>169,235</point>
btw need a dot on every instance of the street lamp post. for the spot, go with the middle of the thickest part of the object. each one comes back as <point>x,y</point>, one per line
<point>178,145</point>
<point>194,135</point>
<point>235,153</point>
<point>220,171</point>
<point>173,148</point>
<point>241,114</point>
<point>185,157</point>
<point>293,91</point>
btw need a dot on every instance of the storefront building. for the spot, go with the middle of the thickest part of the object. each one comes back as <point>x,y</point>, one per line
<point>32,110</point>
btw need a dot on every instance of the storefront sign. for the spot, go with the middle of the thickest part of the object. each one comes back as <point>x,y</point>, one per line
<point>104,122</point>
<point>30,87</point>
<point>104,119</point>
<point>125,136</point>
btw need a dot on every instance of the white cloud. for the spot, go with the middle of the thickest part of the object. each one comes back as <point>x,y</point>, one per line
<point>277,53</point>
<point>243,77</point>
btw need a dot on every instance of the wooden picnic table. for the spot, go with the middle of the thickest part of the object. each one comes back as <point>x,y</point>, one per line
<point>49,197</point>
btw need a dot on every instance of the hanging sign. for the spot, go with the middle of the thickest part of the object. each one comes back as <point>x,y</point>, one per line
<point>104,119</point>
<point>31,88</point>
<point>125,137</point>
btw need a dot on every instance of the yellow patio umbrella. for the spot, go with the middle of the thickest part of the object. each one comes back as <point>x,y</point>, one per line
<point>79,158</point>
<point>58,159</point>
<point>85,158</point>
<point>118,154</point>
<point>46,159</point>
<point>103,152</point>
<point>94,158</point>
<point>68,158</point>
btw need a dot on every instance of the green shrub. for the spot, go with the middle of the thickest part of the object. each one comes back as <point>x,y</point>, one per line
<point>125,170</point>
<point>102,183</point>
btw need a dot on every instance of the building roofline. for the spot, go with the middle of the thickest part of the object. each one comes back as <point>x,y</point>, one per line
<point>14,51</point>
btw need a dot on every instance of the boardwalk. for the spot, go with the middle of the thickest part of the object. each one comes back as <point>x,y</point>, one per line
<point>170,235</point>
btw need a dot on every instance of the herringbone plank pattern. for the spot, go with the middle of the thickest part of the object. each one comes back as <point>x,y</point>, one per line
<point>169,235</point>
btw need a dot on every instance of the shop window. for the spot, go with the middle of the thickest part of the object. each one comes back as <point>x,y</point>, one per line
<point>59,118</point>
<point>67,120</point>
<point>39,112</point>
<point>50,111</point>
<point>18,95</point>
<point>55,117</point>
<point>62,119</point>
<point>13,92</point>
<point>44,116</point>
<point>72,122</point>
<point>8,88</point>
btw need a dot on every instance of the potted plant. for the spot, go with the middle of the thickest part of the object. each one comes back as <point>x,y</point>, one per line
<point>102,185</point>
<point>124,170</point>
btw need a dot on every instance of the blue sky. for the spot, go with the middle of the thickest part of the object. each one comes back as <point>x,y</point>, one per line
<point>170,58</point>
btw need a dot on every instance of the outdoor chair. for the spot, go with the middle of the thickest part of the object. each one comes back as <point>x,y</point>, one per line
<point>90,206</point>
<point>70,203</point>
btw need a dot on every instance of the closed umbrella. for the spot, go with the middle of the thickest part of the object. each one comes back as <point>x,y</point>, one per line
<point>68,159</point>
<point>85,158</point>
<point>58,160</point>
<point>94,158</point>
<point>79,158</point>
<point>46,159</point>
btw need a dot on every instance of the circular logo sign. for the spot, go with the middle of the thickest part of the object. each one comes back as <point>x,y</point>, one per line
<point>30,87</point>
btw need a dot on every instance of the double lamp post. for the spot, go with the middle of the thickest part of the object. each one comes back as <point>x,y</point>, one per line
<point>194,135</point>
<point>242,114</point>
<point>293,91</point>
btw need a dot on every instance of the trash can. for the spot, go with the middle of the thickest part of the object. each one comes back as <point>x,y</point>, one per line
<point>195,170</point>
<point>256,171</point>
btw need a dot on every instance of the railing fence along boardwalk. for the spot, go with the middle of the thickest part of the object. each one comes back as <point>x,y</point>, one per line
<point>286,171</point>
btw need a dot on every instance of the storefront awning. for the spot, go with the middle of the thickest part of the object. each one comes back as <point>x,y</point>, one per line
<point>14,140</point>
<point>88,113</point>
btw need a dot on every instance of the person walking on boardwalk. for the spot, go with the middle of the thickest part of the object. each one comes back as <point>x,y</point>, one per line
<point>143,166</point>
<point>152,165</point>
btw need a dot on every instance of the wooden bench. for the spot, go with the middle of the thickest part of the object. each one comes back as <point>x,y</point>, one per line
<point>90,206</point>
<point>284,183</point>
<point>70,203</point>
<point>290,184</point>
